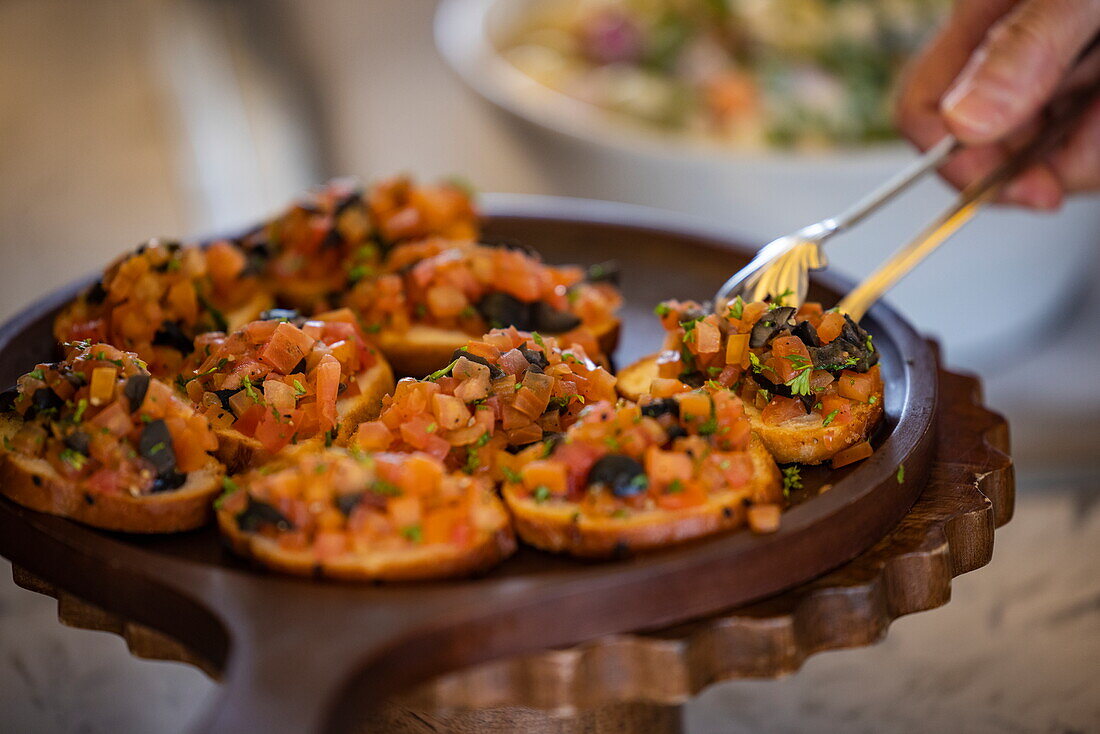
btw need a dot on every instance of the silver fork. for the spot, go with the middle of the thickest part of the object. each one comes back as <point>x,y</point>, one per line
<point>782,266</point>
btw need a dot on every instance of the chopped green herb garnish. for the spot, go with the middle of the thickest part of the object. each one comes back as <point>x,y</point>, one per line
<point>873,399</point>
<point>800,383</point>
<point>829,418</point>
<point>330,436</point>
<point>389,489</point>
<point>675,487</point>
<point>901,474</point>
<point>737,308</point>
<point>74,458</point>
<point>81,406</point>
<point>37,374</point>
<point>431,428</point>
<point>156,448</point>
<point>792,479</point>
<point>443,372</point>
<point>299,389</point>
<point>511,475</point>
<point>541,494</point>
<point>413,533</point>
<point>662,310</point>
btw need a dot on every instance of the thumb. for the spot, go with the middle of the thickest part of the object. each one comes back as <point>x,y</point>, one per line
<point>1018,67</point>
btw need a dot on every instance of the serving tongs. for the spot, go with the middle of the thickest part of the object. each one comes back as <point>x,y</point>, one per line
<point>781,268</point>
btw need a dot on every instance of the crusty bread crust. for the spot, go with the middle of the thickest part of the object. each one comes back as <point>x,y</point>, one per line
<point>374,384</point>
<point>806,441</point>
<point>551,524</point>
<point>797,441</point>
<point>33,483</point>
<point>408,564</point>
<point>421,350</point>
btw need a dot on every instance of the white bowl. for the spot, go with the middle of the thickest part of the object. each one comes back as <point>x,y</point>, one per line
<point>1004,273</point>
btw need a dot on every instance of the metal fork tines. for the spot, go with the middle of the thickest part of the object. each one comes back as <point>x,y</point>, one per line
<point>782,266</point>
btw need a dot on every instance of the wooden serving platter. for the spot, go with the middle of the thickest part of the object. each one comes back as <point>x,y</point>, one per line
<point>299,656</point>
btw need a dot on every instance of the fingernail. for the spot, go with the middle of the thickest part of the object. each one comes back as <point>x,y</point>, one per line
<point>977,112</point>
<point>1024,192</point>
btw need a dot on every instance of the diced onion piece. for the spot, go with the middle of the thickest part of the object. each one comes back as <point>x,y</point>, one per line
<point>373,436</point>
<point>102,387</point>
<point>852,454</point>
<point>855,386</point>
<point>737,348</point>
<point>450,412</point>
<point>764,518</point>
<point>665,467</point>
<point>545,473</point>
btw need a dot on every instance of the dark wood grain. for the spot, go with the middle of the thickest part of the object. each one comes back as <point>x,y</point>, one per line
<point>302,656</point>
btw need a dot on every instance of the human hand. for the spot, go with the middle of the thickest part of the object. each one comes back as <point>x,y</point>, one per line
<point>986,74</point>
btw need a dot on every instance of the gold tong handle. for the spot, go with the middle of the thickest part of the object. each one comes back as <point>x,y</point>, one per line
<point>1060,118</point>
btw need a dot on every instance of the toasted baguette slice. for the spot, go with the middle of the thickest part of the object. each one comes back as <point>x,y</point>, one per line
<point>797,441</point>
<point>33,483</point>
<point>558,526</point>
<point>806,441</point>
<point>490,534</point>
<point>428,562</point>
<point>421,349</point>
<point>238,451</point>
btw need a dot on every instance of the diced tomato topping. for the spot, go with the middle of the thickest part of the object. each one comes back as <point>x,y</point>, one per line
<point>781,409</point>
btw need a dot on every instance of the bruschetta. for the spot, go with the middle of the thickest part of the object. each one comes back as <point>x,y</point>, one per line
<point>96,439</point>
<point>156,300</point>
<point>507,389</point>
<point>809,377</point>
<point>634,477</point>
<point>282,380</point>
<point>339,234</point>
<point>433,295</point>
<point>337,514</point>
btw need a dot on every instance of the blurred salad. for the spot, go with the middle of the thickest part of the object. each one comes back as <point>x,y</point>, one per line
<point>788,73</point>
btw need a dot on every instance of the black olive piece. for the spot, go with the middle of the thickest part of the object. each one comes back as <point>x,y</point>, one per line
<point>504,243</point>
<point>155,446</point>
<point>495,373</point>
<point>300,367</point>
<point>333,239</point>
<point>770,324</point>
<point>549,319</point>
<point>78,441</point>
<point>257,256</point>
<point>534,357</point>
<point>76,379</point>
<point>676,432</point>
<point>97,294</point>
<point>805,331</point>
<point>692,379</point>
<point>168,482</point>
<point>258,514</point>
<point>355,196</point>
<point>662,406</point>
<point>622,474</point>
<point>501,310</point>
<point>281,314</point>
<point>605,272</point>
<point>7,400</point>
<point>171,335</point>
<point>135,389</point>
<point>224,395</point>
<point>348,502</point>
<point>44,400</point>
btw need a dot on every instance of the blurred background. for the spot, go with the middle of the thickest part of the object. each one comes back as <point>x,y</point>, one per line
<point>126,119</point>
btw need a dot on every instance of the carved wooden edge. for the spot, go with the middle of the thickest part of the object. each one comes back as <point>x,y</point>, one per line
<point>143,642</point>
<point>598,686</point>
<point>948,532</point>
